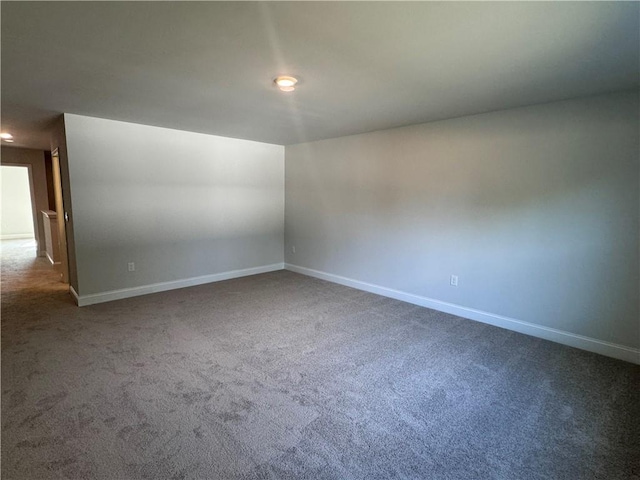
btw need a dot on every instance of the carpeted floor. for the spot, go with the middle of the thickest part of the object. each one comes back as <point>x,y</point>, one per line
<point>284,376</point>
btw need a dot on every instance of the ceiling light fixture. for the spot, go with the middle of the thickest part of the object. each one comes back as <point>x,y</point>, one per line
<point>6,136</point>
<point>286,83</point>
<point>8,140</point>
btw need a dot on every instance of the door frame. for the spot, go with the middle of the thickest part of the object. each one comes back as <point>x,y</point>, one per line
<point>61,215</point>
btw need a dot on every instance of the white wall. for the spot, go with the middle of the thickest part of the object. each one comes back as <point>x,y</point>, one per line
<point>17,212</point>
<point>178,204</point>
<point>535,209</point>
<point>34,159</point>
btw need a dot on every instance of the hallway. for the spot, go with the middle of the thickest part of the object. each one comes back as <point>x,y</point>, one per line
<point>30,285</point>
<point>32,295</point>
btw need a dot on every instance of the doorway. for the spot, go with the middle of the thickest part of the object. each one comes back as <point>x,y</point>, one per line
<point>61,215</point>
<point>17,205</point>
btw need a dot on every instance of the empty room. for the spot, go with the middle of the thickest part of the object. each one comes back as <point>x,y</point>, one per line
<point>320,240</point>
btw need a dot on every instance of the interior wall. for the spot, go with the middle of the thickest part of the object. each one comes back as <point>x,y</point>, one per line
<point>17,211</point>
<point>34,159</point>
<point>536,210</point>
<point>178,204</point>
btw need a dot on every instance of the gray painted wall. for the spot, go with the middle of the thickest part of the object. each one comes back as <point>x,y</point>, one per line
<point>535,209</point>
<point>178,204</point>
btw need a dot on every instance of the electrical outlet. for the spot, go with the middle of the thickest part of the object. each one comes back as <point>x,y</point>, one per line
<point>454,280</point>
<point>131,266</point>
<point>293,249</point>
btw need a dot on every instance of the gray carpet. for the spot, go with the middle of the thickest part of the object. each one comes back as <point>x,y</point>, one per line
<point>281,376</point>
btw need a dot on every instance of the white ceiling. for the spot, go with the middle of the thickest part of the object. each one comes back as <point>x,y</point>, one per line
<point>208,66</point>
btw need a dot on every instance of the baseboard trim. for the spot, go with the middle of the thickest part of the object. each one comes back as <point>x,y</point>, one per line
<point>51,260</point>
<point>74,294</point>
<point>608,349</point>
<point>91,299</point>
<point>16,236</point>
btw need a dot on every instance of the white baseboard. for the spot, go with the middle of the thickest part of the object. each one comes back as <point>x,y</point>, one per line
<point>614,350</point>
<point>74,294</point>
<point>16,236</point>
<point>84,300</point>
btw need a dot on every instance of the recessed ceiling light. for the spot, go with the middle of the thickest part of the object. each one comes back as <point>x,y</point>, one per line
<point>286,83</point>
<point>6,136</point>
